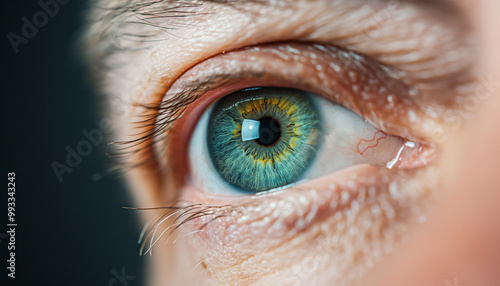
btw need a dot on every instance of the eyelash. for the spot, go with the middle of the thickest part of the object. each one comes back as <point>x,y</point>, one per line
<point>188,213</point>
<point>158,119</point>
<point>169,110</point>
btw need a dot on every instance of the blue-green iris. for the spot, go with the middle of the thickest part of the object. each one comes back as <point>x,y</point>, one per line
<point>279,152</point>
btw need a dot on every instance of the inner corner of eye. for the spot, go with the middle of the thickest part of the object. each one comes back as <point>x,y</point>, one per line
<point>259,139</point>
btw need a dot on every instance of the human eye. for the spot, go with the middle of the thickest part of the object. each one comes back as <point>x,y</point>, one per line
<point>261,138</point>
<point>292,148</point>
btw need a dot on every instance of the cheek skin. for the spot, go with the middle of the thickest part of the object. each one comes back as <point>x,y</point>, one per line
<point>328,230</point>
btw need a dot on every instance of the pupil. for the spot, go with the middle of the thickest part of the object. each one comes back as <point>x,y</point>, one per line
<point>269,131</point>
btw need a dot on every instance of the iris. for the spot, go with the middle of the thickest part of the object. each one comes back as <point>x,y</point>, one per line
<point>263,138</point>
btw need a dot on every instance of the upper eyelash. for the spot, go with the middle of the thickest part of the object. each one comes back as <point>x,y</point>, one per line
<point>160,119</point>
<point>157,119</point>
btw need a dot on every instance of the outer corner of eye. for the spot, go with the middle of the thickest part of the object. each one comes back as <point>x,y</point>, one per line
<point>261,139</point>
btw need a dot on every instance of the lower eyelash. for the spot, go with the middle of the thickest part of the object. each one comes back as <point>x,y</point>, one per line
<point>176,216</point>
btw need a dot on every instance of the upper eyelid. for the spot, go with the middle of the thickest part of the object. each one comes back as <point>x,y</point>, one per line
<point>160,117</point>
<point>186,91</point>
<point>178,97</point>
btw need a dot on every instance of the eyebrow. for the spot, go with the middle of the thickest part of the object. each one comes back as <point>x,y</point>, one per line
<point>133,24</point>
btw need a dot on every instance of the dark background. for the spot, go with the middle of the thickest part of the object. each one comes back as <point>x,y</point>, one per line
<point>73,232</point>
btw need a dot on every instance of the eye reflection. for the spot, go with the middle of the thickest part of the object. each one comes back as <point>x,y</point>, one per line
<point>269,131</point>
<point>261,139</point>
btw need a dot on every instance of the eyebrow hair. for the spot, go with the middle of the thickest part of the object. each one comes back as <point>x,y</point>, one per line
<point>132,25</point>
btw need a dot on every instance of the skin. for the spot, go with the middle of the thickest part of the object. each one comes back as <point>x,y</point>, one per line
<point>459,242</point>
<point>438,225</point>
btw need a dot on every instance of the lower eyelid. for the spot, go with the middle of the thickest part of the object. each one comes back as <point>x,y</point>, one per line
<point>275,217</point>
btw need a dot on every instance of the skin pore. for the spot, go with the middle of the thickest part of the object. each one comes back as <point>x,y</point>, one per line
<point>409,68</point>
